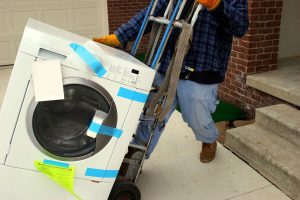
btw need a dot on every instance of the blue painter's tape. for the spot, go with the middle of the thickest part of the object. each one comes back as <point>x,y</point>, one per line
<point>100,173</point>
<point>90,60</point>
<point>55,163</point>
<point>142,29</point>
<point>132,95</point>
<point>105,130</point>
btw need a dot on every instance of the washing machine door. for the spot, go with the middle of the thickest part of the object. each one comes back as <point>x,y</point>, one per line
<point>59,127</point>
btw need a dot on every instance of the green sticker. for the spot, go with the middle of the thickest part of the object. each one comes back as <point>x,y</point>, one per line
<point>62,176</point>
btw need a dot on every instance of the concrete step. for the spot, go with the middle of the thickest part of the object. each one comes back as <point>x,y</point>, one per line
<point>274,157</point>
<point>282,83</point>
<point>281,119</point>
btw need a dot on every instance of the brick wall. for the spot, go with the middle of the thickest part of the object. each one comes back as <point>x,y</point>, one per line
<point>120,11</point>
<point>256,52</point>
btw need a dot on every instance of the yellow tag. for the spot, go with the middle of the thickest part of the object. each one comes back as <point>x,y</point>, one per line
<point>191,69</point>
<point>62,176</point>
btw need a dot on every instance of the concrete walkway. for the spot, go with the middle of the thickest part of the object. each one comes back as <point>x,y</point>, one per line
<point>174,171</point>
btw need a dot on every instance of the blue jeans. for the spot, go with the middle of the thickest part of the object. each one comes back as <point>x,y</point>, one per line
<point>196,101</point>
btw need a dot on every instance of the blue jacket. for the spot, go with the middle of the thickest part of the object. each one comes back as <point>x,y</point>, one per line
<point>212,38</point>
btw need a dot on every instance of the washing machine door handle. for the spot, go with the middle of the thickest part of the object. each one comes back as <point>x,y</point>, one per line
<point>110,120</point>
<point>100,116</point>
<point>96,123</point>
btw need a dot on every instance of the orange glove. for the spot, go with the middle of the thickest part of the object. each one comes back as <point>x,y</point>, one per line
<point>210,4</point>
<point>110,40</point>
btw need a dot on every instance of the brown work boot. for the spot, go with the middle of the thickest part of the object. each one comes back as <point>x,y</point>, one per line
<point>208,152</point>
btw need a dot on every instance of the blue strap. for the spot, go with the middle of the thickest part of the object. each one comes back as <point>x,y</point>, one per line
<point>100,173</point>
<point>56,164</point>
<point>132,95</point>
<point>105,130</point>
<point>89,59</point>
<point>142,29</point>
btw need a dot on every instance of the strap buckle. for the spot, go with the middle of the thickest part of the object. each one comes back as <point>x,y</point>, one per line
<point>187,74</point>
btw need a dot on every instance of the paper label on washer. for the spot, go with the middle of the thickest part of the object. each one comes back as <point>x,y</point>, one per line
<point>47,80</point>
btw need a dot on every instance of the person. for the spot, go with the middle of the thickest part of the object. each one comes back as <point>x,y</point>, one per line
<point>208,56</point>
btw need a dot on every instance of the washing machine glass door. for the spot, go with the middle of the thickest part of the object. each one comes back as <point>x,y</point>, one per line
<point>60,127</point>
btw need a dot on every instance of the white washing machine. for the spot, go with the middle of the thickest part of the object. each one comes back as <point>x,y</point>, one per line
<point>55,131</point>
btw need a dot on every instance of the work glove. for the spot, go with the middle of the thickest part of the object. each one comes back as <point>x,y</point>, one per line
<point>110,40</point>
<point>210,4</point>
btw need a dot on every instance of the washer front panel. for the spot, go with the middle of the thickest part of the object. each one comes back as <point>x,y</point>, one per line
<point>23,152</point>
<point>13,100</point>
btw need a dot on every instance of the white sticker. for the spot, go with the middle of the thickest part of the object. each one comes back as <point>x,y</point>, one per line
<point>47,80</point>
<point>99,117</point>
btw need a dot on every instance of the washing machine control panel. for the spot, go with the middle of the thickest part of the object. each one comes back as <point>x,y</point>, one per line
<point>122,74</point>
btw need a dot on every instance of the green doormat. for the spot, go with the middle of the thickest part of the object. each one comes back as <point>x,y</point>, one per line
<point>228,112</point>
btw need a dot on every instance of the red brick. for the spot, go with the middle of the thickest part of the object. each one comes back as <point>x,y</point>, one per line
<point>272,36</point>
<point>254,4</point>
<point>265,43</point>
<point>274,10</point>
<point>273,24</point>
<point>265,17</point>
<point>264,56</point>
<point>258,24</point>
<point>271,49</point>
<point>256,51</point>
<point>120,11</point>
<point>257,37</point>
<point>265,30</point>
<point>251,70</point>
<point>257,11</point>
<point>279,4</point>
<point>267,4</point>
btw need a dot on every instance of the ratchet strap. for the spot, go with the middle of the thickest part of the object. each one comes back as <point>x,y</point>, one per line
<point>169,85</point>
<point>167,90</point>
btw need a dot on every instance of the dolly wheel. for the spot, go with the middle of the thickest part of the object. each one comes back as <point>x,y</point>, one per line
<point>125,191</point>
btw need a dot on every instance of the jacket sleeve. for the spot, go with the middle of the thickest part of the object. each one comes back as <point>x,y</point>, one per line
<point>129,31</point>
<point>232,15</point>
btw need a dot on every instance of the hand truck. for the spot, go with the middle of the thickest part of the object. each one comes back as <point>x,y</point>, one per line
<point>125,185</point>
